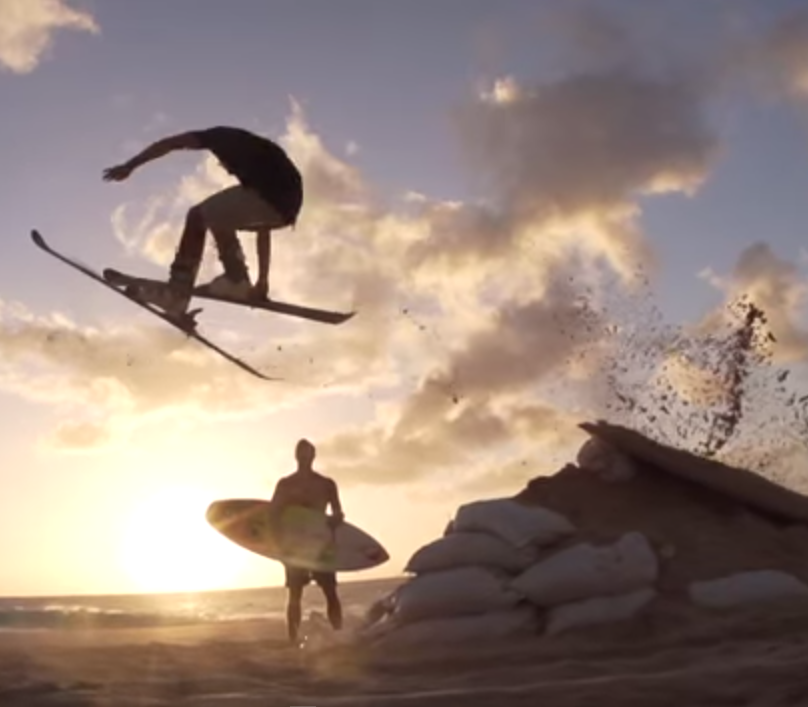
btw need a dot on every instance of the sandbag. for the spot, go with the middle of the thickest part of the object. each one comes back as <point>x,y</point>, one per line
<point>585,571</point>
<point>607,462</point>
<point>599,610</point>
<point>470,549</point>
<point>513,522</point>
<point>747,588</point>
<point>496,625</point>
<point>456,592</point>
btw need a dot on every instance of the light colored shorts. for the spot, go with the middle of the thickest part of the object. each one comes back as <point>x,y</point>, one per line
<point>240,209</point>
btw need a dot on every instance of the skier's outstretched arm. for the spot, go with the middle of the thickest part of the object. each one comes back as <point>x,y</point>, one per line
<point>180,141</point>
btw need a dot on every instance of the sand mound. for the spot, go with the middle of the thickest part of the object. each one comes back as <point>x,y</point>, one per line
<point>698,534</point>
<point>741,485</point>
<point>634,532</point>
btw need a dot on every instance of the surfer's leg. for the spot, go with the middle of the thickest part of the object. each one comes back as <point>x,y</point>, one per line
<point>334,607</point>
<point>296,580</point>
<point>328,583</point>
<point>294,612</point>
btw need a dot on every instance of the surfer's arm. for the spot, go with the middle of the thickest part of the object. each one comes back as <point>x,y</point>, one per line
<point>334,501</point>
<point>277,492</point>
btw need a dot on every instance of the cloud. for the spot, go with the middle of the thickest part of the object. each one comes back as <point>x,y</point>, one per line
<point>471,440</point>
<point>562,195</point>
<point>27,28</point>
<point>132,375</point>
<point>80,437</point>
<point>149,233</point>
<point>485,398</point>
<point>774,285</point>
<point>587,36</point>
<point>779,58</point>
<point>542,280</point>
<point>149,367</point>
<point>570,157</point>
<point>518,346</point>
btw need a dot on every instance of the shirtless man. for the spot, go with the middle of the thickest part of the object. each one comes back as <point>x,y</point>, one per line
<point>308,488</point>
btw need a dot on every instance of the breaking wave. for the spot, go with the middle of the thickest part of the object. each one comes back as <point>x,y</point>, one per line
<point>90,617</point>
<point>156,610</point>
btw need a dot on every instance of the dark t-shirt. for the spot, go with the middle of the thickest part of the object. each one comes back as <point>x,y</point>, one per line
<point>259,164</point>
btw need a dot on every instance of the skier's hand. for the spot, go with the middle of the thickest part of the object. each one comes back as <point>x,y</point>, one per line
<point>260,290</point>
<point>117,173</point>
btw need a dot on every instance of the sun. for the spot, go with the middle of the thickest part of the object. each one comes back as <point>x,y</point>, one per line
<point>169,547</point>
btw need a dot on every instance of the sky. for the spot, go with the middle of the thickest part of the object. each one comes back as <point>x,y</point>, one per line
<point>494,186</point>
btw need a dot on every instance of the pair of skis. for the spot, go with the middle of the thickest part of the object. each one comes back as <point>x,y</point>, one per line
<point>125,284</point>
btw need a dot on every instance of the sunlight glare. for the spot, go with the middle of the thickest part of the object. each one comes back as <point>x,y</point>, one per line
<point>168,546</point>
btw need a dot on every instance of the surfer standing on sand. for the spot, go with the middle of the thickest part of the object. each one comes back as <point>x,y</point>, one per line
<point>310,489</point>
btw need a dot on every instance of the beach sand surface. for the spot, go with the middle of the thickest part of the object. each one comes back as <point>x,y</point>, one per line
<point>674,658</point>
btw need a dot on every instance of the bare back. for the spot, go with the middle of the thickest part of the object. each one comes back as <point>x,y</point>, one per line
<point>307,489</point>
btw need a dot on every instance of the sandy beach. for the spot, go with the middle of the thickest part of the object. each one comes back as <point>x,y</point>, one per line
<point>744,647</point>
<point>752,658</point>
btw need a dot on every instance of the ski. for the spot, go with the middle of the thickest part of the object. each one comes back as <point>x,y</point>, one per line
<point>324,316</point>
<point>187,326</point>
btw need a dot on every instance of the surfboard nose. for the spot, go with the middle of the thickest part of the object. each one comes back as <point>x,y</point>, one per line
<point>218,513</point>
<point>212,512</point>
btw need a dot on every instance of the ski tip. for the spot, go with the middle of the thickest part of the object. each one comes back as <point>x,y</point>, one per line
<point>339,318</point>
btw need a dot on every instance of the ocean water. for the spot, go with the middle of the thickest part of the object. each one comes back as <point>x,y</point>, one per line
<point>177,609</point>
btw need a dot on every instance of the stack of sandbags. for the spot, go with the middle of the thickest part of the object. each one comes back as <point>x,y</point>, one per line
<point>703,549</point>
<point>500,534</point>
<point>584,584</point>
<point>496,573</point>
<point>462,586</point>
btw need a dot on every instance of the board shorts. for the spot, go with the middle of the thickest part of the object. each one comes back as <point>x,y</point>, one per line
<point>298,577</point>
<point>238,208</point>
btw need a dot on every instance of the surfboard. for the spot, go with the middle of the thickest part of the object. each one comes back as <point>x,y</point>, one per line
<point>306,540</point>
